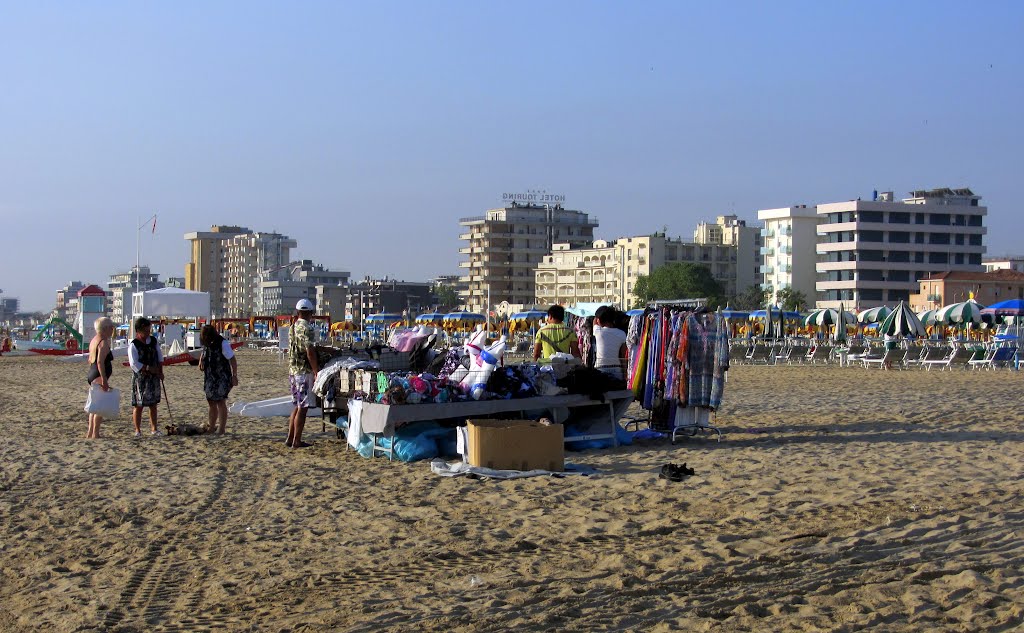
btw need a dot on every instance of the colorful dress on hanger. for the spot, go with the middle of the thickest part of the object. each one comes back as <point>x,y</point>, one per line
<point>707,359</point>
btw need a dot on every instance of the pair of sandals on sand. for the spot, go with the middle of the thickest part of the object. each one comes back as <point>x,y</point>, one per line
<point>675,472</point>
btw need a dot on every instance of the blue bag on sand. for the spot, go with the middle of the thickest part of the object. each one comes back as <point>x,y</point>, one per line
<point>625,438</point>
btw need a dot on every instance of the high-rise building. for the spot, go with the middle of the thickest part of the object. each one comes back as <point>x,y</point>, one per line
<point>729,230</point>
<point>789,250</point>
<point>873,252</point>
<point>252,260</point>
<point>207,268</point>
<point>505,245</point>
<point>67,300</point>
<point>122,287</point>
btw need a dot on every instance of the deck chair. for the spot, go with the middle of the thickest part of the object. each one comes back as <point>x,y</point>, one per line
<point>985,360</point>
<point>821,354</point>
<point>933,355</point>
<point>1004,357</point>
<point>785,353</point>
<point>888,357</point>
<point>759,354</point>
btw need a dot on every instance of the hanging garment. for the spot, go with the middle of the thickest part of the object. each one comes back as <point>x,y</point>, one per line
<point>707,358</point>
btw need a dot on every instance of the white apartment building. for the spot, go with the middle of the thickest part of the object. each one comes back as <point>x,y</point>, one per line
<point>788,254</point>
<point>121,289</point>
<point>607,272</point>
<point>1003,263</point>
<point>506,245</point>
<point>873,252</point>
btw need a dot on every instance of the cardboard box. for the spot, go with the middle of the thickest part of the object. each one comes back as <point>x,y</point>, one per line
<point>516,445</point>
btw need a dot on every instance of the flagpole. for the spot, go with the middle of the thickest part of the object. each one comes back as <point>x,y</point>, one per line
<point>138,265</point>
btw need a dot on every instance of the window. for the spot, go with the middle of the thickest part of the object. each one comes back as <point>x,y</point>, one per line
<point>959,259</point>
<point>975,240</point>
<point>974,220</point>
<point>899,218</point>
<point>898,256</point>
<point>871,236</point>
<point>938,258</point>
<point>899,275</point>
<point>919,258</point>
<point>871,294</point>
<point>959,239</point>
<point>940,238</point>
<point>870,216</point>
<point>899,237</point>
<point>918,218</point>
<point>918,238</point>
<point>871,256</point>
<point>974,259</point>
<point>939,219</point>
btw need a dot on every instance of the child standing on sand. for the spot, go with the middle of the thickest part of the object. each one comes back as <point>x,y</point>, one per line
<point>146,361</point>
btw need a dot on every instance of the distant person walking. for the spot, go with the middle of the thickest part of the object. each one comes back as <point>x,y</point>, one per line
<point>146,361</point>
<point>220,374</point>
<point>101,361</point>
<point>302,371</point>
<point>555,337</point>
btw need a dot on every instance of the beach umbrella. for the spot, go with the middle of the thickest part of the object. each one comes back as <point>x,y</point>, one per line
<point>464,317</point>
<point>1011,307</point>
<point>840,335</point>
<point>902,322</point>
<point>430,318</point>
<point>729,313</point>
<point>384,317</point>
<point>635,312</point>
<point>927,316</point>
<point>529,315</point>
<point>829,316</point>
<point>874,315</point>
<point>965,312</point>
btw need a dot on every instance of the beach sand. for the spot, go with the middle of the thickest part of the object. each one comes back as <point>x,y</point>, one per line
<point>840,499</point>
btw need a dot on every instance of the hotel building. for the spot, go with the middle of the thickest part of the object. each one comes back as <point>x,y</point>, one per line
<point>873,252</point>
<point>206,270</point>
<point>504,247</point>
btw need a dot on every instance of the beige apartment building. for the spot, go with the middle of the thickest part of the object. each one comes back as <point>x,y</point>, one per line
<point>206,270</point>
<point>607,272</point>
<point>729,230</point>
<point>504,247</point>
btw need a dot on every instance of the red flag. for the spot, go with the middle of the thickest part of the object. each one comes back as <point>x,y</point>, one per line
<point>154,224</point>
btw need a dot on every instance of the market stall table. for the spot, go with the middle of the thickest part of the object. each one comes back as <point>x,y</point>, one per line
<point>381,420</point>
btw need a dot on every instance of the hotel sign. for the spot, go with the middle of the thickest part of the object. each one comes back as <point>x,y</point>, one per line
<point>533,197</point>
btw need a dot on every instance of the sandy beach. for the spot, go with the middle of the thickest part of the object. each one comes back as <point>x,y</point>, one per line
<point>840,499</point>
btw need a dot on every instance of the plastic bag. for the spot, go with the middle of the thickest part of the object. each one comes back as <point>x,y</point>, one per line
<point>106,404</point>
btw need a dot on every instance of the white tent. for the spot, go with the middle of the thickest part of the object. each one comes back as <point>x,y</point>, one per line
<point>171,302</point>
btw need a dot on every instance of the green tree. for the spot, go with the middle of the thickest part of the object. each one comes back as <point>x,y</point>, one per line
<point>791,300</point>
<point>753,298</point>
<point>446,295</point>
<point>679,281</point>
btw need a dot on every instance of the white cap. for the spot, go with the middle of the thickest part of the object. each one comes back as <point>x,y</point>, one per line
<point>304,305</point>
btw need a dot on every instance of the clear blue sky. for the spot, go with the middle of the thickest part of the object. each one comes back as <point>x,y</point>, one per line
<point>365,130</point>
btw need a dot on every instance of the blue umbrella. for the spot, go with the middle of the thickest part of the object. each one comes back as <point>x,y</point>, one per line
<point>529,315</point>
<point>1010,307</point>
<point>635,312</point>
<point>729,313</point>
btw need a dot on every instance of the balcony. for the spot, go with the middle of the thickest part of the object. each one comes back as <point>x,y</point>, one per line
<point>767,232</point>
<point>786,250</point>
<point>934,298</point>
<point>768,250</point>
<point>767,270</point>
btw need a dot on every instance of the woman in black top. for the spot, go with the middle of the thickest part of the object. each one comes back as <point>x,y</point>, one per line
<point>220,374</point>
<point>100,365</point>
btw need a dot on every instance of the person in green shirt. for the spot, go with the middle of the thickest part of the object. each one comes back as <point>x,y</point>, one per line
<point>555,337</point>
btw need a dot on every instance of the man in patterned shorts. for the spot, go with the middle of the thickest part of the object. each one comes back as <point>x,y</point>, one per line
<point>302,370</point>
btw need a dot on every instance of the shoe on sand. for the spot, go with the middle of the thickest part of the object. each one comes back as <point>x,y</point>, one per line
<point>156,433</point>
<point>138,433</point>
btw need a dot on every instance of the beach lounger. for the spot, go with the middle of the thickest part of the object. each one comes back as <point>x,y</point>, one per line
<point>887,358</point>
<point>760,353</point>
<point>785,354</point>
<point>957,359</point>
<point>998,357</point>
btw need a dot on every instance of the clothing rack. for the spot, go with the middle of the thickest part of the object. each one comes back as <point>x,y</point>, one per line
<point>679,354</point>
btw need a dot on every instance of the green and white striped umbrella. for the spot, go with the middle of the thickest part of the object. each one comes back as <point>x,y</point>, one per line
<point>874,315</point>
<point>902,322</point>
<point>828,316</point>
<point>928,316</point>
<point>964,312</point>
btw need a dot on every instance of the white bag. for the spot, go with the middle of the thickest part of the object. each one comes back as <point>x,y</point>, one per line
<point>106,404</point>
